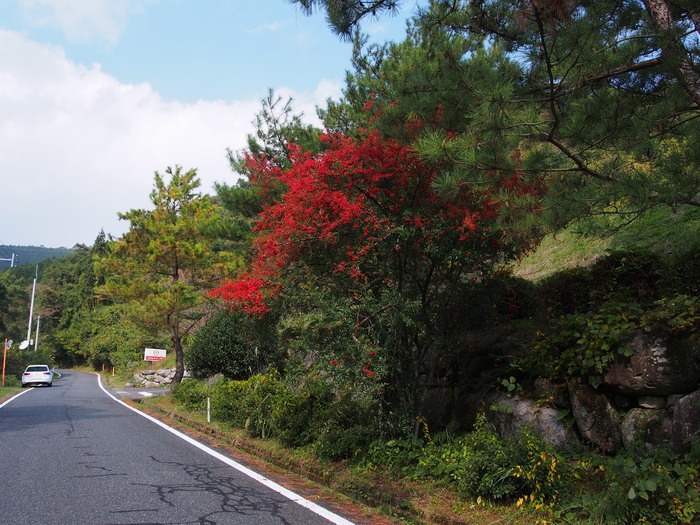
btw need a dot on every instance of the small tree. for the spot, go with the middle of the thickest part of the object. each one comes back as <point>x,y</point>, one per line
<point>164,263</point>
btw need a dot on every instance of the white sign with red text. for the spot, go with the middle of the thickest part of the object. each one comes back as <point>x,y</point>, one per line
<point>153,354</point>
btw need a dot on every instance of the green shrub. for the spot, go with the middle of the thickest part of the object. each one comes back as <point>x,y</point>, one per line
<point>485,466</point>
<point>250,404</point>
<point>686,269</point>
<point>228,402</point>
<point>297,416</point>
<point>12,381</point>
<point>639,486</point>
<point>346,429</point>
<point>629,276</point>
<point>566,292</point>
<point>192,393</point>
<point>396,455</point>
<point>223,347</point>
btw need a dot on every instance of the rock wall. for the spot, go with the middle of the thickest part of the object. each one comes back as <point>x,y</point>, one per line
<point>652,397</point>
<point>154,378</point>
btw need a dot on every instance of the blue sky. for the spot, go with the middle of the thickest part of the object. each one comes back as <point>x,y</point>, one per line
<point>97,95</point>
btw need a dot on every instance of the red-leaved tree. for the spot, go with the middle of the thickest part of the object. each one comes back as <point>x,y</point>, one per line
<point>361,224</point>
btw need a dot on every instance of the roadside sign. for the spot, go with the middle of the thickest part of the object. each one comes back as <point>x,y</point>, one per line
<point>154,354</point>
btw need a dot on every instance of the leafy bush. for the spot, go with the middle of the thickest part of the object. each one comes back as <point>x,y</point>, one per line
<point>399,456</point>
<point>629,276</point>
<point>228,401</point>
<point>223,347</point>
<point>345,429</point>
<point>12,381</point>
<point>192,394</point>
<point>566,292</point>
<point>638,486</point>
<point>586,344</point>
<point>622,276</point>
<point>686,268</point>
<point>485,466</point>
<point>297,416</point>
<point>249,404</point>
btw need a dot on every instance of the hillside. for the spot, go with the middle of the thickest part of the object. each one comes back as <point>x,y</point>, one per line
<point>29,254</point>
<point>663,232</point>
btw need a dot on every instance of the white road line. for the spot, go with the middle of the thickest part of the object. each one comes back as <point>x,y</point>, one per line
<point>15,397</point>
<point>146,394</point>
<point>316,509</point>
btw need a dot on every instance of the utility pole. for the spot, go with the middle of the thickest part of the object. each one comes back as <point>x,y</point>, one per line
<point>8,345</point>
<point>28,340</point>
<point>11,260</point>
<point>36,337</point>
<point>31,305</point>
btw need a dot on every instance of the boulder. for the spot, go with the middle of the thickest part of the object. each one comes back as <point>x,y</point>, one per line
<point>652,402</point>
<point>686,420</point>
<point>658,367</point>
<point>651,427</point>
<point>595,417</point>
<point>509,415</point>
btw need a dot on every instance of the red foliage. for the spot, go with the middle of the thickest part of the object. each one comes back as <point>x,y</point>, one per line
<point>356,209</point>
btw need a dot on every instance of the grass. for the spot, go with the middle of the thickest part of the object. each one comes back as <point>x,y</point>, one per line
<point>8,391</point>
<point>665,232</point>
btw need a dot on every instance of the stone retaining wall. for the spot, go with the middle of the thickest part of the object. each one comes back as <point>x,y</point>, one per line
<point>154,378</point>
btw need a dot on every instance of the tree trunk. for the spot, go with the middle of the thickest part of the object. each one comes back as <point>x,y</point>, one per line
<point>179,357</point>
<point>660,13</point>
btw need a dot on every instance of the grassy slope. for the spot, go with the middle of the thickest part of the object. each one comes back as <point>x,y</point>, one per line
<point>663,232</point>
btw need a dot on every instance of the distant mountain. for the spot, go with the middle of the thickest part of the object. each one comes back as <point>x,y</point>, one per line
<point>29,254</point>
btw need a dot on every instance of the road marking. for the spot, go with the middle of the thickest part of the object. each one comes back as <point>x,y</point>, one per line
<point>15,397</point>
<point>313,507</point>
<point>146,394</point>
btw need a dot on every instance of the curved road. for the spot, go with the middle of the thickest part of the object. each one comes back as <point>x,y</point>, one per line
<point>73,454</point>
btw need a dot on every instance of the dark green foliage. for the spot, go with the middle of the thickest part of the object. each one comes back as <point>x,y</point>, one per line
<point>686,269</point>
<point>298,416</point>
<point>628,276</point>
<point>250,404</point>
<point>192,394</point>
<point>510,298</point>
<point>566,292</point>
<point>224,346</point>
<point>637,486</point>
<point>343,17</point>
<point>584,344</point>
<point>593,313</point>
<point>346,429</point>
<point>622,276</point>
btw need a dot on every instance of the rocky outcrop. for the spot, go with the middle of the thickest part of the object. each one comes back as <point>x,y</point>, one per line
<point>650,398</point>
<point>686,420</point>
<point>651,427</point>
<point>658,368</point>
<point>508,415</point>
<point>597,420</point>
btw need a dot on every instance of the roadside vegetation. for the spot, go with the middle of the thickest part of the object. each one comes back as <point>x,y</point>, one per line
<point>505,196</point>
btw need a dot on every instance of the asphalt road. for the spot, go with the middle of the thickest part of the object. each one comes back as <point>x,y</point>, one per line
<point>72,454</point>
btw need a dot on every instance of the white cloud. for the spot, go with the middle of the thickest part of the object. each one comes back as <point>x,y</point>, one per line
<point>78,146</point>
<point>82,20</point>
<point>271,27</point>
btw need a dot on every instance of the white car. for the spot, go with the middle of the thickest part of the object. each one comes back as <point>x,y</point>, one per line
<point>37,374</point>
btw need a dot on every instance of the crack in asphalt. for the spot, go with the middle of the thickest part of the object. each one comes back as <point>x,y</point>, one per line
<point>234,499</point>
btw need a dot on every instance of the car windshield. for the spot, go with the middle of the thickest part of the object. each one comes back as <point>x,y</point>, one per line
<point>38,368</point>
